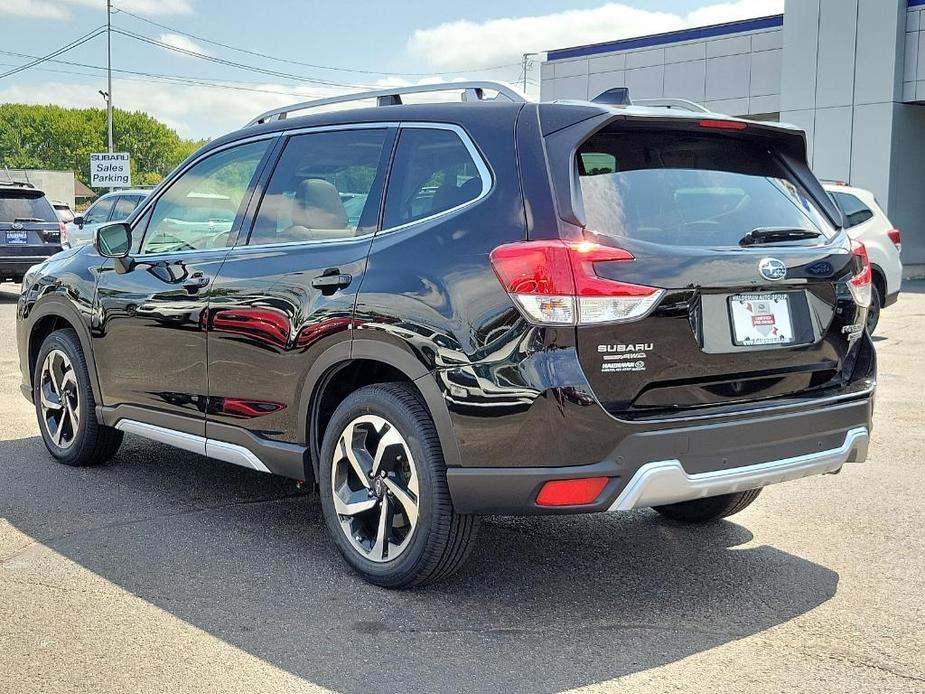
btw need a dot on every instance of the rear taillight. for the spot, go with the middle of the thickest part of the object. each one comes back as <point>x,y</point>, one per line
<point>896,238</point>
<point>554,283</point>
<point>62,229</point>
<point>860,284</point>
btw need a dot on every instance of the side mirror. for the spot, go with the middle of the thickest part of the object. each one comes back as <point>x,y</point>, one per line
<point>79,221</point>
<point>115,241</point>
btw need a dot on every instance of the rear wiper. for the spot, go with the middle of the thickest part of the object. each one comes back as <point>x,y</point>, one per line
<point>763,235</point>
<point>28,219</point>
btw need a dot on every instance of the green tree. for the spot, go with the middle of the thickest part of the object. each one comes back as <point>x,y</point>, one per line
<point>52,137</point>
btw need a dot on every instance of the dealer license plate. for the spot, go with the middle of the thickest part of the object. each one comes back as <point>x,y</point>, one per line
<point>761,319</point>
<point>17,237</point>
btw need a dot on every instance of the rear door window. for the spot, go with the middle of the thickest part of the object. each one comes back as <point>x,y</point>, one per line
<point>688,190</point>
<point>100,211</point>
<point>123,208</point>
<point>23,207</point>
<point>433,172</point>
<point>855,211</point>
<point>326,186</point>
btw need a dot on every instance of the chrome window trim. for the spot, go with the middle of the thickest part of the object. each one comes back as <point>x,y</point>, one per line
<point>485,173</point>
<point>481,166</point>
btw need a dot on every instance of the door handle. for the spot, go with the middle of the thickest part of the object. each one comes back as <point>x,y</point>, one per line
<point>196,282</point>
<point>331,281</point>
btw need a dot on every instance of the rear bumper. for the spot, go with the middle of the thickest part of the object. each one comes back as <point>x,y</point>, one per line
<point>17,265</point>
<point>686,462</point>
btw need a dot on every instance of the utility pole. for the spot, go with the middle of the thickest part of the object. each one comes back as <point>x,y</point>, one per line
<point>109,71</point>
<point>524,68</point>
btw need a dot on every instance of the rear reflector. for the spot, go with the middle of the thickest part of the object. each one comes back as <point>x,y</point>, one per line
<point>723,124</point>
<point>896,238</point>
<point>554,283</point>
<point>860,284</point>
<point>571,492</point>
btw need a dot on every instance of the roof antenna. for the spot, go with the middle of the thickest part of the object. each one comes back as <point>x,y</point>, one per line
<point>618,96</point>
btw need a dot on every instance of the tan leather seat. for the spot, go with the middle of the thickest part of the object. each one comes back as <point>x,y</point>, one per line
<point>317,213</point>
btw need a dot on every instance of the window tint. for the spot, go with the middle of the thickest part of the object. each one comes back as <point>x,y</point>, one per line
<point>25,206</point>
<point>856,212</point>
<point>432,172</point>
<point>99,212</point>
<point>123,207</point>
<point>325,186</point>
<point>199,209</point>
<point>687,190</point>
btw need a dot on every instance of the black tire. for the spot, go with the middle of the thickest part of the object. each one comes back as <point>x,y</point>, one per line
<point>441,539</point>
<point>873,313</point>
<point>90,442</point>
<point>710,508</point>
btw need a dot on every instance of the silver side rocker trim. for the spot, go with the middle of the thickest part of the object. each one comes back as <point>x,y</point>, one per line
<point>666,482</point>
<point>220,450</point>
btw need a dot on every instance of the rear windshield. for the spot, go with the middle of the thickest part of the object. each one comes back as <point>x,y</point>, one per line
<point>23,207</point>
<point>688,190</point>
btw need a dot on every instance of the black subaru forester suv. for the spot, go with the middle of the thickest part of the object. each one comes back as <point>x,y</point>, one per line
<point>446,310</point>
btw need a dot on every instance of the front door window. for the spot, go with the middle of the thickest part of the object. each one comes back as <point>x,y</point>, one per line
<point>200,209</point>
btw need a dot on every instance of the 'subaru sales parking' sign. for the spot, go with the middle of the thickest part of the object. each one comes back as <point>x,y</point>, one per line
<point>110,170</point>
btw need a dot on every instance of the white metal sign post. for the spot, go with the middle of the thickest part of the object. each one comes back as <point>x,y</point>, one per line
<point>110,170</point>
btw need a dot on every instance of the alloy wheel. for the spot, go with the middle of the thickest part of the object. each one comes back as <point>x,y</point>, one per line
<point>374,484</point>
<point>60,398</point>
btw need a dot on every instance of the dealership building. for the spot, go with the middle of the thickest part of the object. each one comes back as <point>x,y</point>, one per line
<point>851,73</point>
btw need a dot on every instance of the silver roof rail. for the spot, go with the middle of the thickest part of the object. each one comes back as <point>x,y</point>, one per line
<point>666,102</point>
<point>472,91</point>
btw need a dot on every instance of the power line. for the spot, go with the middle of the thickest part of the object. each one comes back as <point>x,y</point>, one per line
<point>158,78</point>
<point>299,62</point>
<point>231,63</point>
<point>64,49</point>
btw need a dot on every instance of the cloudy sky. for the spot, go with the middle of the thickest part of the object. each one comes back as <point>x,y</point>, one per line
<point>175,67</point>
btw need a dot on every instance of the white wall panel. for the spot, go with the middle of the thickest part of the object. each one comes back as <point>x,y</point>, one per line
<point>645,82</point>
<point>607,63</point>
<point>765,73</point>
<point>727,78</point>
<point>646,58</point>
<point>686,80</point>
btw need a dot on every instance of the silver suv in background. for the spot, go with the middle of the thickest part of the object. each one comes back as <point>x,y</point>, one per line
<point>111,207</point>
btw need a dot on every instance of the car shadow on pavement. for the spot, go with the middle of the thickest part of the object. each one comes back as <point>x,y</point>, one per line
<point>9,293</point>
<point>544,604</point>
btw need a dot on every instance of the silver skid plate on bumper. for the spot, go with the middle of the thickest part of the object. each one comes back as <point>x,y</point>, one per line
<point>666,482</point>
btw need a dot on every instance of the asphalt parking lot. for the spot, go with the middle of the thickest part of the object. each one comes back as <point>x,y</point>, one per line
<point>167,572</point>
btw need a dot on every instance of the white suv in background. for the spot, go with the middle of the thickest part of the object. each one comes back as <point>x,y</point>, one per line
<point>111,207</point>
<point>867,223</point>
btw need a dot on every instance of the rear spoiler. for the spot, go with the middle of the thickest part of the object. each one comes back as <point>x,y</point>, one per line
<point>566,126</point>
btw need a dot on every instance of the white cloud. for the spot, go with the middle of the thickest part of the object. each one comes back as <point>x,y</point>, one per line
<point>61,9</point>
<point>34,9</point>
<point>464,44</point>
<point>183,43</point>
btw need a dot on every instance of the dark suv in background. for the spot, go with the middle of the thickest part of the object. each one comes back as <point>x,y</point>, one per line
<point>30,230</point>
<point>440,311</point>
